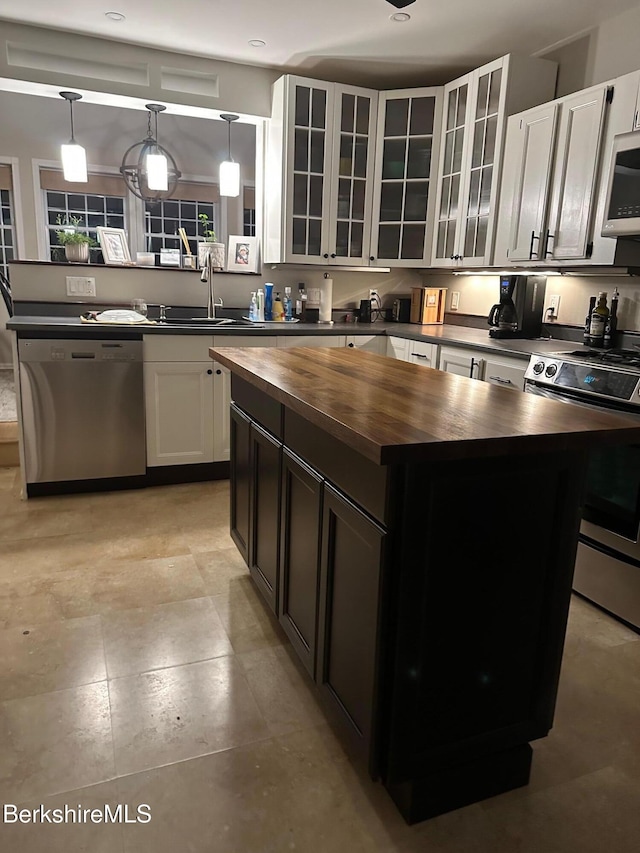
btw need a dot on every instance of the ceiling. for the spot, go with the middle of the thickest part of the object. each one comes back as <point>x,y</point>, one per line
<point>347,40</point>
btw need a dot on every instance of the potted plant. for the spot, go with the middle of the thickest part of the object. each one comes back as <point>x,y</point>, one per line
<point>76,244</point>
<point>209,246</point>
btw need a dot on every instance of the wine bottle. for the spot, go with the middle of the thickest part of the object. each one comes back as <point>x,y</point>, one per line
<point>611,323</point>
<point>599,318</point>
<point>587,321</point>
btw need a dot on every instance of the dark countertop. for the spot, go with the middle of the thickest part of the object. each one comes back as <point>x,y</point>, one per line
<point>446,334</point>
<point>392,411</point>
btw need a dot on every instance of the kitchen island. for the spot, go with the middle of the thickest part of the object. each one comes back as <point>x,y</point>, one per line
<point>415,533</point>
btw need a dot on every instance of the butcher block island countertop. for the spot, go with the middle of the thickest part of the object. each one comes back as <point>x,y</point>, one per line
<point>414,533</point>
<point>391,411</point>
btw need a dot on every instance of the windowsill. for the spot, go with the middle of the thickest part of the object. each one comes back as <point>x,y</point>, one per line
<point>80,266</point>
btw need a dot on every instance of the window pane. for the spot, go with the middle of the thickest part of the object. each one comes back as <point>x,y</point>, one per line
<point>485,190</point>
<point>357,211</point>
<point>396,118</point>
<point>344,198</point>
<point>348,110</point>
<point>187,210</point>
<point>474,193</point>
<point>457,150</point>
<point>393,158</point>
<point>77,202</point>
<point>4,197</point>
<point>413,241</point>
<point>95,203</point>
<point>481,239</point>
<point>490,140</point>
<point>318,108</point>
<point>483,91</point>
<point>442,233</point>
<point>360,157</point>
<point>362,114</point>
<point>342,239</point>
<point>346,154</point>
<point>388,241</point>
<point>171,209</point>
<point>299,236</point>
<point>301,151</point>
<point>445,200</point>
<point>317,151</point>
<point>470,238</point>
<point>419,159</point>
<point>355,246</point>
<point>478,143</point>
<point>299,195</point>
<point>315,234</point>
<point>422,115</point>
<point>56,200</point>
<point>302,105</point>
<point>415,202</point>
<point>315,195</point>
<point>391,203</point>
<point>494,91</point>
<point>451,109</point>
<point>462,105</point>
<point>114,205</point>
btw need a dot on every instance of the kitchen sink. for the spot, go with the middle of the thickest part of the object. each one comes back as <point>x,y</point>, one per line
<point>205,322</point>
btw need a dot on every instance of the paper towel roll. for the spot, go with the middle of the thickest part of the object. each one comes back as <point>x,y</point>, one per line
<point>326,300</point>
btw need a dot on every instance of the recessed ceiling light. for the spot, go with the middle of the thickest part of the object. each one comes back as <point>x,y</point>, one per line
<point>114,16</point>
<point>257,43</point>
<point>400,17</point>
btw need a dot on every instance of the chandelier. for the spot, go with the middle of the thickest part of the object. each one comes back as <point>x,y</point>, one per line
<point>148,169</point>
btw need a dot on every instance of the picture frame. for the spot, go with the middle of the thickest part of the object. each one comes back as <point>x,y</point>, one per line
<point>242,254</point>
<point>114,246</point>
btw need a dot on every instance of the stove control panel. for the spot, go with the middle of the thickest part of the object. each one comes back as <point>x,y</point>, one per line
<point>585,379</point>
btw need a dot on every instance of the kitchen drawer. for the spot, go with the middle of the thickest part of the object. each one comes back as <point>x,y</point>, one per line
<point>368,343</point>
<point>398,348</point>
<point>508,373</point>
<point>177,347</point>
<point>420,352</point>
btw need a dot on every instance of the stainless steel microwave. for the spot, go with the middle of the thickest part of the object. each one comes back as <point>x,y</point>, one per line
<point>622,213</point>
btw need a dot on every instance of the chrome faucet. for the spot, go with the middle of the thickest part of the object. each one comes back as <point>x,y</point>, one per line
<point>207,276</point>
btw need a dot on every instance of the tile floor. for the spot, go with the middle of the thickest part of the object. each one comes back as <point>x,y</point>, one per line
<point>138,665</point>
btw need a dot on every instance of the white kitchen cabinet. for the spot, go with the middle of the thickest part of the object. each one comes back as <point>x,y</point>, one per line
<point>312,340</point>
<point>319,173</point>
<point>187,397</point>
<point>469,171</point>
<point>555,174</point>
<point>369,343</point>
<point>179,412</point>
<point>398,348</point>
<point>461,361</point>
<point>408,139</point>
<point>421,352</point>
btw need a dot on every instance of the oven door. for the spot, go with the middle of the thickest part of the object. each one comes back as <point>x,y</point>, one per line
<point>611,512</point>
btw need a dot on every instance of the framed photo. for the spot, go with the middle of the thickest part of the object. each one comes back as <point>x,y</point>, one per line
<point>243,254</point>
<point>113,242</point>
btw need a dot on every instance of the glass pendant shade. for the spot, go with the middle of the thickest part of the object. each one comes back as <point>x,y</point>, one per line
<point>74,163</point>
<point>229,178</point>
<point>157,172</point>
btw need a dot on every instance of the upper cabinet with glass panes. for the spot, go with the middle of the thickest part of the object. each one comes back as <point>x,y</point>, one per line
<point>475,110</point>
<point>318,173</point>
<point>408,136</point>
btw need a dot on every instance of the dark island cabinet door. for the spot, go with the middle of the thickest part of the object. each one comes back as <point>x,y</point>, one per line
<point>266,453</point>
<point>348,625</point>
<point>240,480</point>
<point>299,556</point>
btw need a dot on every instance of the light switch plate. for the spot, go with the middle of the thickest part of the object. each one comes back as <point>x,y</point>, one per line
<point>79,285</point>
<point>455,300</point>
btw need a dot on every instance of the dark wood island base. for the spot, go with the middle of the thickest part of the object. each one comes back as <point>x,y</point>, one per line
<point>415,534</point>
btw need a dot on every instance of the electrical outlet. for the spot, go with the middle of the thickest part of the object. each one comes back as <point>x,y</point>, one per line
<point>455,300</point>
<point>373,294</point>
<point>554,304</point>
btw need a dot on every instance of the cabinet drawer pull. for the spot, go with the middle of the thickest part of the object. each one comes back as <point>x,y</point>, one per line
<point>419,355</point>
<point>501,380</point>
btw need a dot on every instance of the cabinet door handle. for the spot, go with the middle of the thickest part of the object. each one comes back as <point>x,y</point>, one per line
<point>371,258</point>
<point>501,380</point>
<point>209,372</point>
<point>534,236</point>
<point>333,254</point>
<point>218,372</point>
<point>474,364</point>
<point>326,255</point>
<point>351,345</point>
<point>547,236</point>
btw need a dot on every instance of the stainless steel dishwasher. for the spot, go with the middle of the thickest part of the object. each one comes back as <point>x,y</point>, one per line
<point>82,409</point>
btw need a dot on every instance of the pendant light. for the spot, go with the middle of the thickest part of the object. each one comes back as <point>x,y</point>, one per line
<point>73,156</point>
<point>148,169</point>
<point>229,169</point>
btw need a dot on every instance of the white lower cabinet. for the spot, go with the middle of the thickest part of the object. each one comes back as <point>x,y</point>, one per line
<point>497,370</point>
<point>312,341</point>
<point>420,352</point>
<point>368,343</point>
<point>187,397</point>
<point>398,348</point>
<point>179,412</point>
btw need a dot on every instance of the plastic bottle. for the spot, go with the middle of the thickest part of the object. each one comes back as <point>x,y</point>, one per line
<point>260,301</point>
<point>288,304</point>
<point>268,301</point>
<point>278,308</point>
<point>587,320</point>
<point>301,302</point>
<point>611,323</point>
<point>253,307</point>
<point>599,318</point>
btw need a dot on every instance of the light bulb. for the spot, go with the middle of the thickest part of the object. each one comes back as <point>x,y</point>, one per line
<point>157,172</point>
<point>74,162</point>
<point>229,178</point>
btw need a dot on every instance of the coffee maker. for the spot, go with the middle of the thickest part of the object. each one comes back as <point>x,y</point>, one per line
<point>519,312</point>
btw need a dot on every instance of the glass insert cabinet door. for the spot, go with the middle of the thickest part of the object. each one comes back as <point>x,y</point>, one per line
<point>310,110</point>
<point>355,113</point>
<point>408,135</point>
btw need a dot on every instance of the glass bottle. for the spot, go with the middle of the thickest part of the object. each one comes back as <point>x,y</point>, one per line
<point>611,323</point>
<point>301,302</point>
<point>253,307</point>
<point>599,318</point>
<point>587,320</point>
<point>288,304</point>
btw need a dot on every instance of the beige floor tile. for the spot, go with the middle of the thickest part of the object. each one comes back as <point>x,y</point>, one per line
<point>167,635</point>
<point>219,568</point>
<point>51,657</point>
<point>282,689</point>
<point>44,837</point>
<point>29,523</point>
<point>29,603</point>
<point>7,478</point>
<point>172,714</point>
<point>590,627</point>
<point>247,621</point>
<point>594,813</point>
<point>55,742</point>
<point>115,585</point>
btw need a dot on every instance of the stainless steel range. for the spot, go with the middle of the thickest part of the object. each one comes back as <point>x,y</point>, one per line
<point>608,561</point>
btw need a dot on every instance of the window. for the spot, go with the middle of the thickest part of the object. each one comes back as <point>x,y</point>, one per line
<point>249,222</point>
<point>91,209</point>
<point>163,218</point>
<point>7,231</point>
